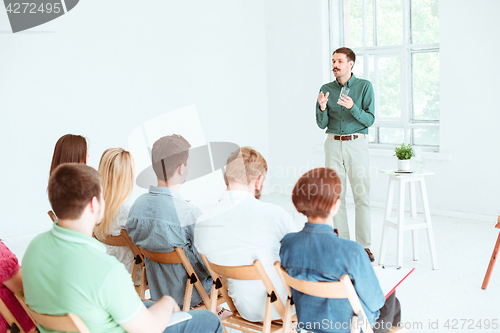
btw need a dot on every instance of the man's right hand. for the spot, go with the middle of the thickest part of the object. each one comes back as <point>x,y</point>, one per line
<point>322,100</point>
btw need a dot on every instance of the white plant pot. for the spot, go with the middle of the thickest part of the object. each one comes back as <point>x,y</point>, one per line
<point>404,165</point>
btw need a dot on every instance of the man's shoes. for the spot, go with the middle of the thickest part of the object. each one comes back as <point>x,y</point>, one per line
<point>370,254</point>
<point>397,329</point>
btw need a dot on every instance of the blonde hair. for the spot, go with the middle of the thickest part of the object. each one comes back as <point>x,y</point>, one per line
<point>117,170</point>
<point>244,166</point>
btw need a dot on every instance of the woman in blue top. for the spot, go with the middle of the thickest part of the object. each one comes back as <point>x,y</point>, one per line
<point>317,254</point>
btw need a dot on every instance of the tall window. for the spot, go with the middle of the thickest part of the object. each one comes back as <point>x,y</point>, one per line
<point>397,48</point>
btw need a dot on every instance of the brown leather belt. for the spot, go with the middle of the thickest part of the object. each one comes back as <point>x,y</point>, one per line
<point>347,137</point>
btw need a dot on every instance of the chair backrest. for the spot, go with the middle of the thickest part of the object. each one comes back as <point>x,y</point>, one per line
<point>66,323</point>
<point>178,256</point>
<point>339,289</point>
<point>52,216</point>
<point>246,272</point>
<point>114,240</point>
<point>9,318</point>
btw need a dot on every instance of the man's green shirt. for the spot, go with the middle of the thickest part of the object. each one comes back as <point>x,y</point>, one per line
<point>340,120</point>
<point>65,271</point>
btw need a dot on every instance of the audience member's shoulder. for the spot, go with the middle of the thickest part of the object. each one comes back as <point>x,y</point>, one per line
<point>273,208</point>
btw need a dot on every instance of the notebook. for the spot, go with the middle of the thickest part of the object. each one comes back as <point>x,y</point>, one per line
<point>390,277</point>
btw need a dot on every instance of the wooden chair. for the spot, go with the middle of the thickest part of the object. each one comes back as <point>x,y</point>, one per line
<point>249,272</point>
<point>52,216</point>
<point>493,259</point>
<point>178,256</point>
<point>124,240</point>
<point>340,289</point>
<point>14,325</point>
<point>67,323</point>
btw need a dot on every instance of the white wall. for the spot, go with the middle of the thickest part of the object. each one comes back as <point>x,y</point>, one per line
<point>106,67</point>
<point>295,73</point>
<point>469,182</point>
<point>252,68</point>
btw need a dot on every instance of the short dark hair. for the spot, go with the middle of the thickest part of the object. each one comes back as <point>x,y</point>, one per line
<point>71,187</point>
<point>316,192</point>
<point>167,154</point>
<point>69,149</point>
<point>350,55</point>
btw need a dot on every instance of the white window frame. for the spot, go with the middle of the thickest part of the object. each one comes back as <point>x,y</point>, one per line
<point>339,29</point>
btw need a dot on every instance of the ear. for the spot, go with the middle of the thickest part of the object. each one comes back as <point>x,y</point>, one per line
<point>181,169</point>
<point>335,208</point>
<point>351,63</point>
<point>258,182</point>
<point>94,205</point>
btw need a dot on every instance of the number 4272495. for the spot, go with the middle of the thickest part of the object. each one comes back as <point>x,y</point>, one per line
<point>33,8</point>
<point>455,324</point>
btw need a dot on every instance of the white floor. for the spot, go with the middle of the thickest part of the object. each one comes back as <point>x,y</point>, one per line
<point>430,299</point>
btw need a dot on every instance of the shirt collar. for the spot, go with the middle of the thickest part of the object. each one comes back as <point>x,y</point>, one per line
<point>165,190</point>
<point>314,227</point>
<point>76,237</point>
<point>349,82</point>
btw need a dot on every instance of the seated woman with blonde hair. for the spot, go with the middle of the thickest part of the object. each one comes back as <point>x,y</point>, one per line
<point>117,170</point>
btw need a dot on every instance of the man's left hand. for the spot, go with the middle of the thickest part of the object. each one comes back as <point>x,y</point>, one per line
<point>346,102</point>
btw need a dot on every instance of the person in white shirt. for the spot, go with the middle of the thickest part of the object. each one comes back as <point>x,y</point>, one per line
<point>241,228</point>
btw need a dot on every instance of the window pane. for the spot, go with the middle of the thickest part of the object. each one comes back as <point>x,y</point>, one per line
<point>426,136</point>
<point>391,135</point>
<point>358,68</point>
<point>425,21</point>
<point>372,134</point>
<point>354,20</point>
<point>426,85</point>
<point>387,85</point>
<point>389,22</point>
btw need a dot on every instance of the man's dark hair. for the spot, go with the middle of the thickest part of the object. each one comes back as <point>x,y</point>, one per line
<point>71,187</point>
<point>350,55</point>
<point>167,154</point>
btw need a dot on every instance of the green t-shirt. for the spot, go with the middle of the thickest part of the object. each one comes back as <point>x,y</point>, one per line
<point>65,271</point>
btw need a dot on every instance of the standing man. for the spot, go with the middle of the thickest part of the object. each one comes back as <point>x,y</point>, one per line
<point>347,119</point>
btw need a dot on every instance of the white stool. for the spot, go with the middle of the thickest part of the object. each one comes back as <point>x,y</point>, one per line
<point>401,179</point>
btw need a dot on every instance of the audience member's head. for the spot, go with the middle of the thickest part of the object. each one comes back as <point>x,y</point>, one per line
<point>73,187</point>
<point>117,170</point>
<point>69,149</point>
<point>170,159</point>
<point>317,192</point>
<point>246,166</point>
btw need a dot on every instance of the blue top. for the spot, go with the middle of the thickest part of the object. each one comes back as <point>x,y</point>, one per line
<point>158,221</point>
<point>317,254</point>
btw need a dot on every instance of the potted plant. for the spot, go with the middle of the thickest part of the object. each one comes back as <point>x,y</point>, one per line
<point>404,154</point>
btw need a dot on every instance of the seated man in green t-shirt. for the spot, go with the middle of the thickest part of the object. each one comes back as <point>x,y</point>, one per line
<point>65,270</point>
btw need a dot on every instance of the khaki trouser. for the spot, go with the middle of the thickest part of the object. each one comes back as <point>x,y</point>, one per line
<point>352,158</point>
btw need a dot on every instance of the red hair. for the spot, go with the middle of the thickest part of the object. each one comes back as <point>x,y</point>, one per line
<point>316,192</point>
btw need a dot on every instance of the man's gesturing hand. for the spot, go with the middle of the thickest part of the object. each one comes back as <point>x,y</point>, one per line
<point>346,102</point>
<point>322,100</point>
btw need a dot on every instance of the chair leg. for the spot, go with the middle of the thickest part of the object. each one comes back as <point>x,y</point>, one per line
<point>187,296</point>
<point>355,328</point>
<point>267,316</point>
<point>492,264</point>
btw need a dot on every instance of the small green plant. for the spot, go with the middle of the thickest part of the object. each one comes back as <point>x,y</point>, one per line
<point>405,152</point>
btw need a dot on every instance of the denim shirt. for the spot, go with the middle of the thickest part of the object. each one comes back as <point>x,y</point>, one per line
<point>317,254</point>
<point>158,221</point>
